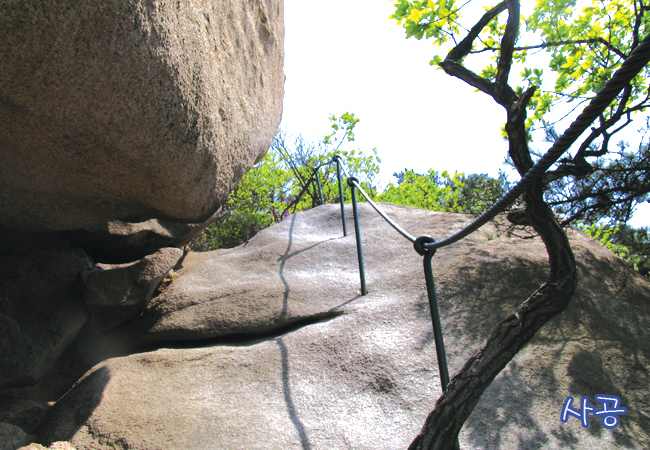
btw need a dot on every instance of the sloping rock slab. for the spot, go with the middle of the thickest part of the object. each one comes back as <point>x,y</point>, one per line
<point>286,274</point>
<point>131,110</point>
<point>351,382</point>
<point>364,375</point>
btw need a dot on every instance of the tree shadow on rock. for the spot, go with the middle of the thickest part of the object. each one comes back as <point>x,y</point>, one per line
<point>594,347</point>
<point>498,413</point>
<point>475,296</point>
<point>591,375</point>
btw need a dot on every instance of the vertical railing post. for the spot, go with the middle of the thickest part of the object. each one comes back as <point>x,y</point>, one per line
<point>337,158</point>
<point>435,321</point>
<point>320,189</point>
<point>435,313</point>
<point>357,232</point>
<point>433,306</point>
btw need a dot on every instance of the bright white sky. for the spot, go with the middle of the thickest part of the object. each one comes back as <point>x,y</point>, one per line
<point>347,55</point>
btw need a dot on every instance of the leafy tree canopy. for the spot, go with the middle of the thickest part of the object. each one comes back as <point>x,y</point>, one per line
<point>586,42</point>
<point>441,191</point>
<point>564,51</point>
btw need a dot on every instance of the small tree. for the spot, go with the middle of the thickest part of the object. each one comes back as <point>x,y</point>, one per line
<point>283,183</point>
<point>300,157</point>
<point>257,202</point>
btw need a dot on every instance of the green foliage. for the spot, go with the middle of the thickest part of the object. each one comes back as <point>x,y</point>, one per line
<point>257,202</point>
<point>604,234</point>
<point>282,183</point>
<point>428,19</point>
<point>441,191</point>
<point>630,244</point>
<point>637,241</point>
<point>480,192</point>
<point>577,47</point>
<point>300,158</point>
<point>437,192</point>
<point>585,44</point>
<point>345,123</point>
<point>608,192</point>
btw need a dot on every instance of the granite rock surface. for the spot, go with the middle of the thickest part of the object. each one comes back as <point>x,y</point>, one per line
<point>115,293</point>
<point>132,110</point>
<point>291,356</point>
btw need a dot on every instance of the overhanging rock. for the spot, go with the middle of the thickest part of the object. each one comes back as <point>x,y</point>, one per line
<point>131,110</point>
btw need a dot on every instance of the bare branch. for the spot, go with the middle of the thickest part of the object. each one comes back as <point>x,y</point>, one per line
<point>504,92</point>
<point>604,147</point>
<point>602,130</point>
<point>457,70</point>
<point>601,194</point>
<point>500,91</point>
<point>576,170</point>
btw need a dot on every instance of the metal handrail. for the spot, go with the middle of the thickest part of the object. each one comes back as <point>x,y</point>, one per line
<point>426,245</point>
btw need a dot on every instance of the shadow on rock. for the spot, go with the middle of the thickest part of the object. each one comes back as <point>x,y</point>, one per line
<point>288,399</point>
<point>71,412</point>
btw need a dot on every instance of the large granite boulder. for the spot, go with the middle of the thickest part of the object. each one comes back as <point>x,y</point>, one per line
<point>131,110</point>
<point>295,358</point>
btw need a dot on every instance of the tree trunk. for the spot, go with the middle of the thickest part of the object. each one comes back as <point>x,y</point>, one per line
<point>452,409</point>
<point>441,429</point>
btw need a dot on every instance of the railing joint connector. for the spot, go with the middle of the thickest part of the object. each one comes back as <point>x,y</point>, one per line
<point>419,245</point>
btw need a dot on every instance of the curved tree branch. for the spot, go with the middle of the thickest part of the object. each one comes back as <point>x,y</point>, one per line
<point>517,134</point>
<point>465,46</point>
<point>504,93</point>
<point>459,71</point>
<point>558,44</point>
<point>579,158</point>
